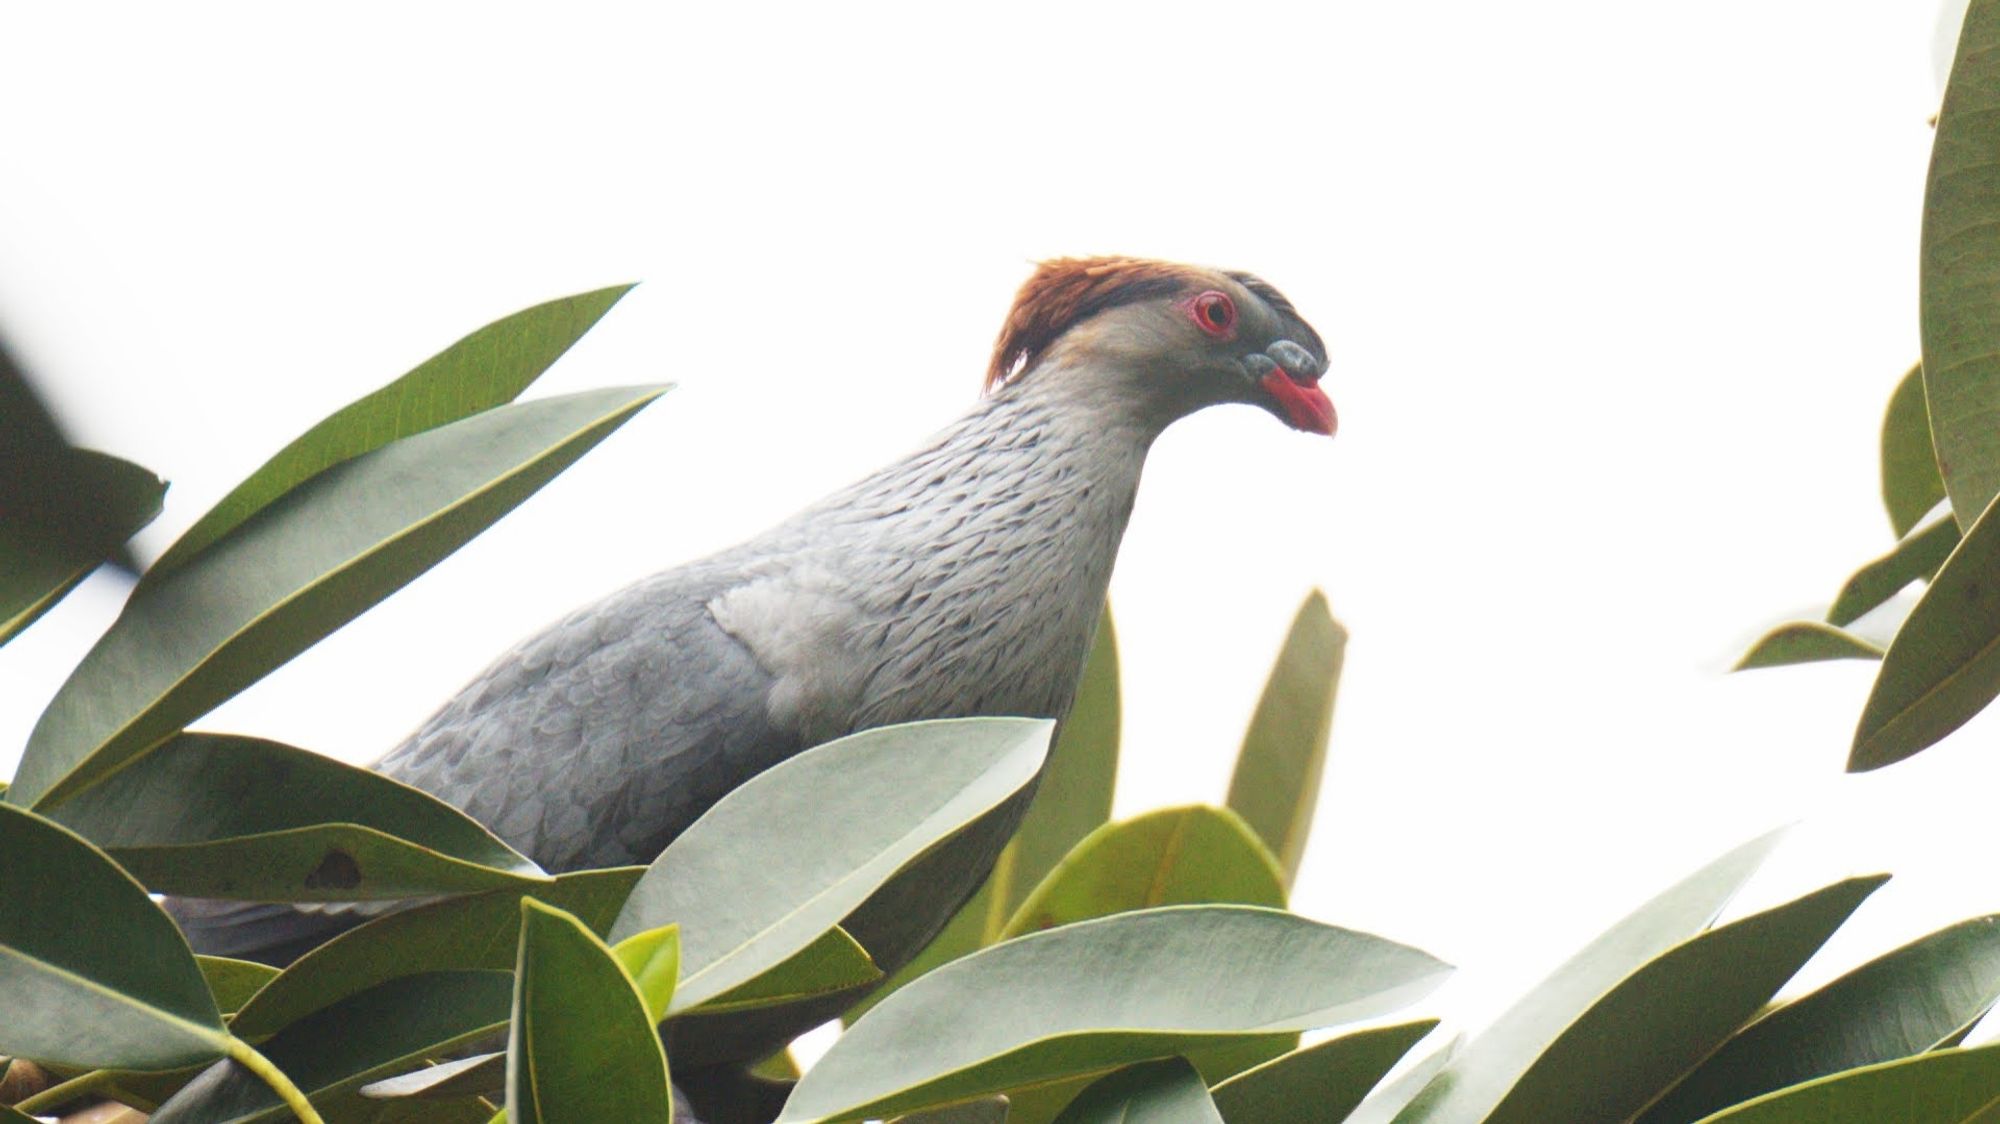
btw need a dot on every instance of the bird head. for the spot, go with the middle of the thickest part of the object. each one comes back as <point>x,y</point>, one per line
<point>1166,339</point>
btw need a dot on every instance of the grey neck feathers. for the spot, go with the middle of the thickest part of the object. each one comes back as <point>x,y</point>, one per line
<point>966,579</point>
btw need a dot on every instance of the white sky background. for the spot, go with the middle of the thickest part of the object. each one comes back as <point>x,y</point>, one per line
<point>1615,295</point>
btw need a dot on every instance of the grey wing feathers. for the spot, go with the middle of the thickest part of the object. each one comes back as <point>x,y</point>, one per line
<point>595,742</point>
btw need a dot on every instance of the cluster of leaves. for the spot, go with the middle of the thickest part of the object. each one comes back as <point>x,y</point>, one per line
<point>1940,454</point>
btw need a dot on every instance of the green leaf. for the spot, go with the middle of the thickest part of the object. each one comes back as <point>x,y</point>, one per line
<point>1175,856</point>
<point>1386,1103</point>
<point>785,856</point>
<point>1320,1083</point>
<point>986,1110</point>
<point>476,931</point>
<point>300,568</point>
<point>1959,274</point>
<point>1074,797</point>
<point>1906,1002</point>
<point>653,960</point>
<point>1911,485</point>
<point>1092,996</point>
<point>834,962</point>
<point>1682,1005</point>
<point>1487,1067</point>
<point>474,1075</point>
<point>221,816</point>
<point>62,514</point>
<point>93,974</point>
<point>485,369</point>
<point>233,982</point>
<point>1162,1092</point>
<point>331,1052</point>
<point>1805,642</point>
<point>1946,1087</point>
<point>1944,665</point>
<point>581,1046</point>
<point>1916,558</point>
<point>1276,784</point>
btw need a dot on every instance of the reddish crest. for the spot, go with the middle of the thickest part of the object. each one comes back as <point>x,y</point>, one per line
<point>1067,291</point>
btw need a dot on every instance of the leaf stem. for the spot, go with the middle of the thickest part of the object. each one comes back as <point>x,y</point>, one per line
<point>247,1056</point>
<point>64,1092</point>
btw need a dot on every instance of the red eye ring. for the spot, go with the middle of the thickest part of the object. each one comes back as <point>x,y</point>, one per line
<point>1214,313</point>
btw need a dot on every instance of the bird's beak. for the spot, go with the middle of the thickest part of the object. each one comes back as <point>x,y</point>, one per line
<point>1289,374</point>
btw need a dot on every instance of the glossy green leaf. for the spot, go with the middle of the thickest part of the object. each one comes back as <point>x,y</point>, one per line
<point>1916,558</point>
<point>1162,1092</point>
<point>92,973</point>
<point>1485,1069</point>
<point>473,1075</point>
<point>1681,1005</point>
<point>1911,1000</point>
<point>1386,1103</point>
<point>233,982</point>
<point>1946,1087</point>
<point>1073,798</point>
<point>834,962</point>
<point>986,1110</point>
<point>1805,642</point>
<point>476,931</point>
<point>653,960</point>
<point>303,566</point>
<point>1175,856</point>
<point>1911,485</point>
<point>221,816</point>
<point>1318,1084</point>
<point>60,517</point>
<point>1959,274</point>
<point>1103,993</point>
<point>785,856</point>
<point>331,1052</point>
<point>1944,665</point>
<point>581,1046</point>
<point>1276,784</point>
<point>485,369</point>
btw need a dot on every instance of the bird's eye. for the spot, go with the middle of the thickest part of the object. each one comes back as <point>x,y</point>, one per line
<point>1215,313</point>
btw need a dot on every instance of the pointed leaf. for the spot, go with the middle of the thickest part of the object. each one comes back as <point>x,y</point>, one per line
<point>1487,1067</point>
<point>1681,1005</point>
<point>300,568</point>
<point>1944,665</point>
<point>331,1052</point>
<point>1099,994</point>
<point>63,511</point>
<point>1959,278</point>
<point>1947,1087</point>
<point>220,816</point>
<point>986,1110</point>
<point>781,859</point>
<point>1162,1092</point>
<point>653,960</point>
<point>1074,797</point>
<point>233,982</point>
<point>1319,1084</point>
<point>1175,856</point>
<point>581,1046</point>
<point>1911,485</point>
<point>1916,558</point>
<point>834,962</point>
<point>1906,1002</point>
<point>473,1075</point>
<point>477,931</point>
<point>93,974</point>
<point>1276,784</point>
<point>483,370</point>
<point>1805,642</point>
